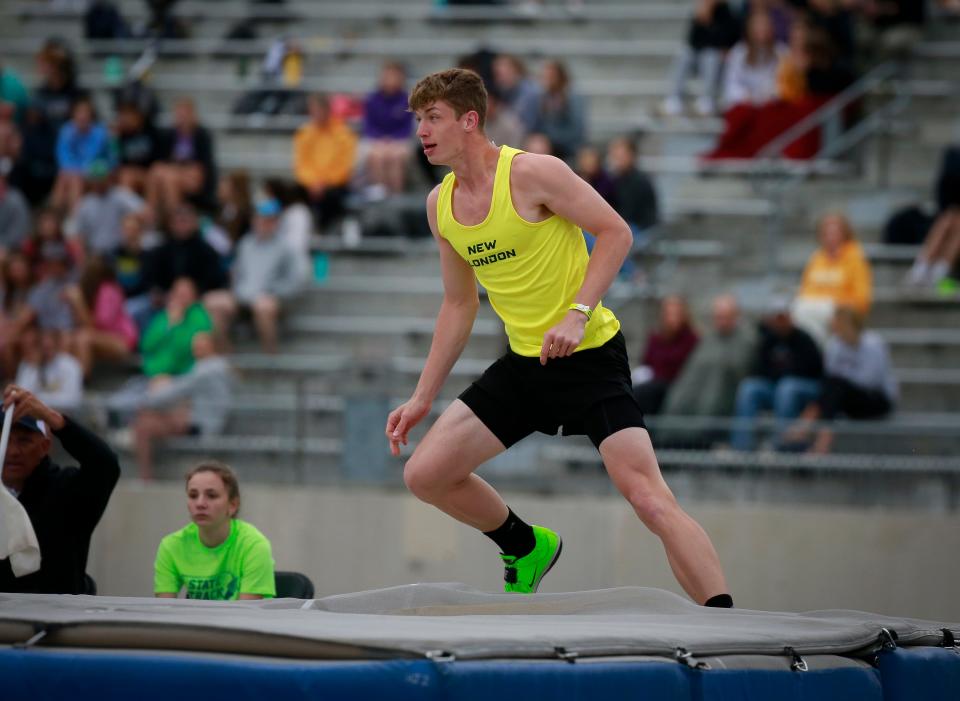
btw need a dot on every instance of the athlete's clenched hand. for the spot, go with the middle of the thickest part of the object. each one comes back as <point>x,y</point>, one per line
<point>402,419</point>
<point>563,339</point>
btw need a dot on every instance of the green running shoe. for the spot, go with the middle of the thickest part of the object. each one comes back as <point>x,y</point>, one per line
<point>523,574</point>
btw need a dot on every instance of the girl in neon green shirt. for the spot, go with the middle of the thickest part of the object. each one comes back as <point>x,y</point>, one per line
<point>218,556</point>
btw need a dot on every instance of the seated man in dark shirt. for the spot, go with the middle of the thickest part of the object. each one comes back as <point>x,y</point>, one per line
<point>64,503</point>
<point>785,377</point>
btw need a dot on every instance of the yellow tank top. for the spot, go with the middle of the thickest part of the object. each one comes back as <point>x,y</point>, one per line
<point>531,270</point>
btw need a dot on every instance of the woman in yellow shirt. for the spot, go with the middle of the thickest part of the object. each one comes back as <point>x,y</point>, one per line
<point>324,154</point>
<point>837,275</point>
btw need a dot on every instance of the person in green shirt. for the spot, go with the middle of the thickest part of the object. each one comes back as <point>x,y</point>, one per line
<point>166,342</point>
<point>218,556</point>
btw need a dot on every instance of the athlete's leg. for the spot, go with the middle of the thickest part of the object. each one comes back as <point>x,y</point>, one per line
<point>629,458</point>
<point>440,471</point>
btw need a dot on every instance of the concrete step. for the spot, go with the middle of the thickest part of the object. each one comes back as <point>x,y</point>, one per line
<point>893,307</point>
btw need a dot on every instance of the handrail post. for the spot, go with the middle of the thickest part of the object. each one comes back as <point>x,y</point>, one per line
<point>300,429</point>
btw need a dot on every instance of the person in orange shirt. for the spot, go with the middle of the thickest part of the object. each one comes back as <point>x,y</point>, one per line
<point>837,275</point>
<point>324,153</point>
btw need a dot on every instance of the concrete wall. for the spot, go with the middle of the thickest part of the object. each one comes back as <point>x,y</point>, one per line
<point>783,558</point>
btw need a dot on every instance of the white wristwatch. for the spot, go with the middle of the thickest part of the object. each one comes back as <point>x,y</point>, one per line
<point>583,308</point>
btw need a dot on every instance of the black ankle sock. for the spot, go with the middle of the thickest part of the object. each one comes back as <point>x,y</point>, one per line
<point>514,537</point>
<point>720,601</point>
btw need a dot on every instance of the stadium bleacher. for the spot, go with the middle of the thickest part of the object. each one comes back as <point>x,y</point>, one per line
<point>372,317</point>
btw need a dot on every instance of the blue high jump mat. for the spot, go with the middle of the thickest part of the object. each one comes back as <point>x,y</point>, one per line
<point>449,641</point>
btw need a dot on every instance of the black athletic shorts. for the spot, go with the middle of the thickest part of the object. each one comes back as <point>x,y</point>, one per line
<point>587,393</point>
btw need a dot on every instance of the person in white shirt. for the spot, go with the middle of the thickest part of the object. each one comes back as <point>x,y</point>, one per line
<point>265,275</point>
<point>859,381</point>
<point>55,377</point>
<point>750,76</point>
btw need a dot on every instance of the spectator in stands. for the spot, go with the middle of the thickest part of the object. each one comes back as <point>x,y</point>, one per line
<point>324,151</point>
<point>858,382</point>
<point>166,347</point>
<point>235,205</point>
<point>195,403</point>
<point>538,143</point>
<point>105,330</point>
<point>98,222</point>
<point>35,168</point>
<point>80,142</point>
<point>48,229</point>
<point>58,90</point>
<point>166,344</point>
<point>186,254</point>
<point>47,304</point>
<point>265,275</point>
<point>63,504</point>
<point>590,167</point>
<point>132,262</point>
<point>11,142</point>
<point>186,170</point>
<point>518,91</point>
<point>634,195</point>
<point>47,370</point>
<point>750,76</point>
<point>562,114</point>
<point>387,128</point>
<point>16,279</point>
<point>102,20</point>
<point>785,375</point>
<point>837,21</point>
<point>713,31</point>
<point>296,222</point>
<point>666,351</point>
<point>13,92</point>
<point>808,75</point>
<point>162,24</point>
<point>837,274</point>
<point>707,385</point>
<point>130,259</point>
<point>14,213</point>
<point>627,189</point>
<point>502,126</point>
<point>135,91</point>
<point>139,146</point>
<point>217,556</point>
<point>941,247</point>
<point>781,13</point>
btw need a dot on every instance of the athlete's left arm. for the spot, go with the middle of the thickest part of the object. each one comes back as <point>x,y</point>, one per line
<point>550,182</point>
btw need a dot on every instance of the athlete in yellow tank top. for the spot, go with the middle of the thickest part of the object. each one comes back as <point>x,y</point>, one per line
<point>531,270</point>
<point>513,222</point>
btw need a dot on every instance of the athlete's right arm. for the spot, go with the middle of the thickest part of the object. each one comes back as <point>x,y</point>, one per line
<point>454,323</point>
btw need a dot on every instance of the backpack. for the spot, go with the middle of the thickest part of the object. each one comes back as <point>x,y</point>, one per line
<point>907,227</point>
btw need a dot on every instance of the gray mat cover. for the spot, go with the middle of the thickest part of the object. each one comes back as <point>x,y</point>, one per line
<point>425,619</point>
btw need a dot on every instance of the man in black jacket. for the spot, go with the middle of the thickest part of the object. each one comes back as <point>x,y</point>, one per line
<point>785,376</point>
<point>185,254</point>
<point>64,503</point>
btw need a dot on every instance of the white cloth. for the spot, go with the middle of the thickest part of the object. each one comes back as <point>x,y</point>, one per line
<point>17,539</point>
<point>813,315</point>
<point>296,227</point>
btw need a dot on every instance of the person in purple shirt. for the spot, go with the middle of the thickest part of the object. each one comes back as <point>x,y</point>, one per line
<point>387,126</point>
<point>80,142</point>
<point>667,349</point>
